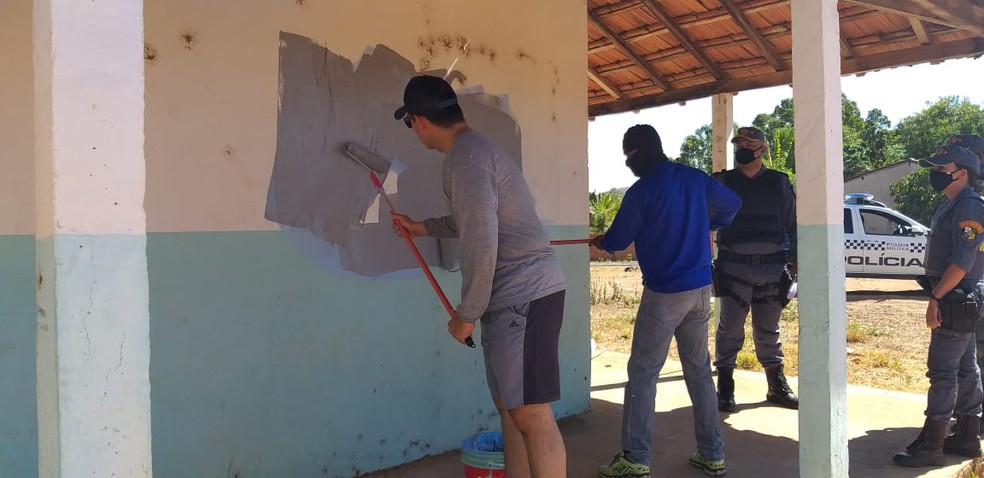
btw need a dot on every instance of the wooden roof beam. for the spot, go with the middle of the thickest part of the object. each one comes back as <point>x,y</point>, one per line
<point>963,14</point>
<point>935,52</point>
<point>768,51</point>
<point>599,80</point>
<point>684,21</point>
<point>920,31</point>
<point>676,52</point>
<point>847,51</point>
<point>682,37</point>
<point>647,31</point>
<point>645,66</point>
<point>616,8</point>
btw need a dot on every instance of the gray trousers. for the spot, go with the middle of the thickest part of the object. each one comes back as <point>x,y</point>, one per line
<point>980,345</point>
<point>756,290</point>
<point>954,380</point>
<point>662,317</point>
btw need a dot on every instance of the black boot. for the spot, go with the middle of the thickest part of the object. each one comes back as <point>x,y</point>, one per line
<point>964,440</point>
<point>927,450</point>
<point>779,391</point>
<point>726,390</point>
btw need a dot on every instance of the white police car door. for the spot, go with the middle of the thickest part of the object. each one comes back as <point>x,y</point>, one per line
<point>890,246</point>
<point>853,244</point>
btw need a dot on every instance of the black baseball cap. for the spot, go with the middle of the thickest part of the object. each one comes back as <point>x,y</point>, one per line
<point>425,94</point>
<point>953,154</point>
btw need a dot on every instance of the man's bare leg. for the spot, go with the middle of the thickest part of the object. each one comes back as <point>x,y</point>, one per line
<point>544,444</point>
<point>514,446</point>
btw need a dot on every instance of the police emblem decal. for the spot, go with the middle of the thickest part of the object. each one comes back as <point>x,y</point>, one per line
<point>970,229</point>
<point>969,233</point>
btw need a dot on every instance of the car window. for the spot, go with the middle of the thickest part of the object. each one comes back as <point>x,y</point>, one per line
<point>848,222</point>
<point>879,223</point>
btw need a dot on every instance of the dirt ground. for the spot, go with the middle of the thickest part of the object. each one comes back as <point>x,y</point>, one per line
<point>886,334</point>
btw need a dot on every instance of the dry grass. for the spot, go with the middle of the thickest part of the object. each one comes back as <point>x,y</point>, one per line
<point>886,335</point>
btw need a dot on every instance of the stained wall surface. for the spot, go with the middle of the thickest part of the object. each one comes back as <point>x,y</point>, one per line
<point>18,412</point>
<point>265,362</point>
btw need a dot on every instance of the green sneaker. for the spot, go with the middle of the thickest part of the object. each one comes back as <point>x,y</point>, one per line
<point>710,467</point>
<point>623,468</point>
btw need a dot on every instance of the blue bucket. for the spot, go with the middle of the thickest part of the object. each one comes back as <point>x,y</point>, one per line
<point>482,455</point>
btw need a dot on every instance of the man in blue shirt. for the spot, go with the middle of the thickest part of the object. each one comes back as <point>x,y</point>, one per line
<point>668,213</point>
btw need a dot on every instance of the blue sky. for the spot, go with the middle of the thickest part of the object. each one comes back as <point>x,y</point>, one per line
<point>898,92</point>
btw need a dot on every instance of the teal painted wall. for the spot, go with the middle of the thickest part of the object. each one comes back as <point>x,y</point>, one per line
<point>266,365</point>
<point>18,412</point>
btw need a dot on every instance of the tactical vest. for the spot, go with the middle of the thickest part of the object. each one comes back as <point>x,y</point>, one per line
<point>760,216</point>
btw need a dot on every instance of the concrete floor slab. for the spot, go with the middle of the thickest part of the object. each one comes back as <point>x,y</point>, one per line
<point>760,439</point>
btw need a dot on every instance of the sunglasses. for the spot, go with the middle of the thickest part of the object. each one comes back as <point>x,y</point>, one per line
<point>747,134</point>
<point>408,120</point>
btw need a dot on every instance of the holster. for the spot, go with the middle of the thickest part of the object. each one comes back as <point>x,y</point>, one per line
<point>717,286</point>
<point>925,283</point>
<point>960,310</point>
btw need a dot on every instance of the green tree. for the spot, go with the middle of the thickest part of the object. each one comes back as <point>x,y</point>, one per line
<point>881,140</point>
<point>915,198</point>
<point>855,151</point>
<point>921,133</point>
<point>602,210</point>
<point>778,129</point>
<point>696,150</point>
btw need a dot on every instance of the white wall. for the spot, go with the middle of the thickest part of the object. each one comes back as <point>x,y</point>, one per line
<point>212,92</point>
<point>879,182</point>
<point>261,363</point>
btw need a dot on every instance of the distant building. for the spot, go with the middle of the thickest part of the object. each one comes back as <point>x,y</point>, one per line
<point>878,182</point>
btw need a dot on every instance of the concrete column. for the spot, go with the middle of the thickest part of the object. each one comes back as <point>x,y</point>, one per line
<point>722,126</point>
<point>819,177</point>
<point>93,344</point>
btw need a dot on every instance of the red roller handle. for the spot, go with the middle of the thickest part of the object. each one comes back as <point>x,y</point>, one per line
<point>416,254</point>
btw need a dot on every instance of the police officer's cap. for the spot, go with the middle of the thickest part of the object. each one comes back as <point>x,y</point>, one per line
<point>749,133</point>
<point>953,154</point>
<point>972,142</point>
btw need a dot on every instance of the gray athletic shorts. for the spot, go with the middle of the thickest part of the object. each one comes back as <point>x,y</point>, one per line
<point>520,348</point>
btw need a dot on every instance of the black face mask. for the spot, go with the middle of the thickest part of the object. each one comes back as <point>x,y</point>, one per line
<point>940,180</point>
<point>744,155</point>
<point>638,165</point>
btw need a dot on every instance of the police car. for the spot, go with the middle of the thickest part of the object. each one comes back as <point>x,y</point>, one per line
<point>881,242</point>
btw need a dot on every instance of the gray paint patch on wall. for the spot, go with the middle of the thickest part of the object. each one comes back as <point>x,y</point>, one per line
<point>325,102</point>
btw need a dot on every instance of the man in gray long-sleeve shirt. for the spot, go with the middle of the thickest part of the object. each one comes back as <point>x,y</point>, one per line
<point>511,278</point>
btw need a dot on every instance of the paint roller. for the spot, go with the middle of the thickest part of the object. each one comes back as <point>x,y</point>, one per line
<point>375,163</point>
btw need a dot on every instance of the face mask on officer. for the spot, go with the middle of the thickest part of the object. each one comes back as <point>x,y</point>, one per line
<point>744,155</point>
<point>939,180</point>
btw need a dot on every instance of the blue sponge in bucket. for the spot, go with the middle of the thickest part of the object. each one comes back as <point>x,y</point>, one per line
<point>483,450</point>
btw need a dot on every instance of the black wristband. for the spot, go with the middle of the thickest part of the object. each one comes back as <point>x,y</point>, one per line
<point>933,296</point>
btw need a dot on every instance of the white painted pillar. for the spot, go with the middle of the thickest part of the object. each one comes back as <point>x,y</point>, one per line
<point>722,126</point>
<point>819,177</point>
<point>93,344</point>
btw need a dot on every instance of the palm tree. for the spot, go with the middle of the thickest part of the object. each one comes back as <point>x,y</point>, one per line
<point>603,207</point>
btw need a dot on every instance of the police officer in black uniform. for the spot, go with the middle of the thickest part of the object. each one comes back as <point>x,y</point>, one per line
<point>751,268</point>
<point>955,268</point>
